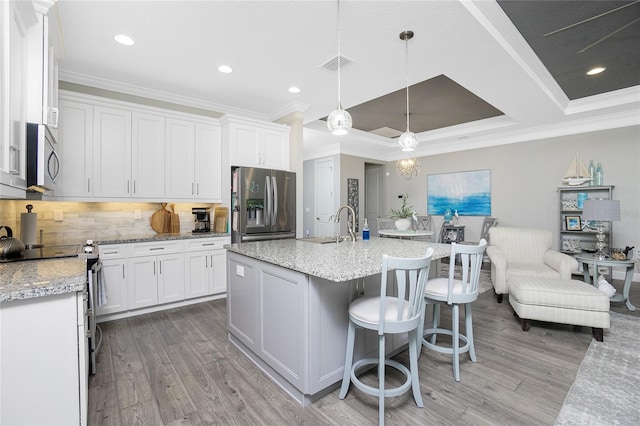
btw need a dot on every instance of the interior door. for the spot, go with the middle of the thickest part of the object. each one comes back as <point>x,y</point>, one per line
<point>324,198</point>
<point>373,196</point>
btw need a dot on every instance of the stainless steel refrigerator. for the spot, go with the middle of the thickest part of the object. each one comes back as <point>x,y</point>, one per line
<point>263,204</point>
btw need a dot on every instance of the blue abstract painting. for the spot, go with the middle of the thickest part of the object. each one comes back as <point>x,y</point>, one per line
<point>467,192</point>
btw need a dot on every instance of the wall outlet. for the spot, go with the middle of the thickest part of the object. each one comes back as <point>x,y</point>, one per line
<point>137,214</point>
<point>58,216</point>
<point>240,271</point>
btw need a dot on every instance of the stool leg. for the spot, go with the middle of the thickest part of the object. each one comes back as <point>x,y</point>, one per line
<point>436,321</point>
<point>413,366</point>
<point>420,332</point>
<point>348,362</point>
<point>455,323</point>
<point>381,359</point>
<point>468,331</point>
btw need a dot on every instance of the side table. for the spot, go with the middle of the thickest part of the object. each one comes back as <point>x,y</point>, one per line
<point>588,259</point>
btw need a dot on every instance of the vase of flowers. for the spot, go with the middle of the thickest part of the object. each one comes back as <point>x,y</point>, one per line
<point>403,215</point>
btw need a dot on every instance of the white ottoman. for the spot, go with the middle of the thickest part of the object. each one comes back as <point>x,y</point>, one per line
<point>562,301</point>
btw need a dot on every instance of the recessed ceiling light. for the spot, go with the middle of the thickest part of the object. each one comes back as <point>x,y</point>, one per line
<point>294,89</point>
<point>124,39</point>
<point>225,69</point>
<point>596,70</point>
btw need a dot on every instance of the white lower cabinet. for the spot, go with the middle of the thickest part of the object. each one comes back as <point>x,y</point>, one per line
<point>155,280</point>
<point>205,267</point>
<point>114,284</point>
<point>152,274</point>
<point>44,378</point>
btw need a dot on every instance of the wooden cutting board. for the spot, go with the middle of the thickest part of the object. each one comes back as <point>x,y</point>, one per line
<point>160,220</point>
<point>174,220</point>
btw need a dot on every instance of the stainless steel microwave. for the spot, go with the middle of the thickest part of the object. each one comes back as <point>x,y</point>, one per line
<point>43,162</point>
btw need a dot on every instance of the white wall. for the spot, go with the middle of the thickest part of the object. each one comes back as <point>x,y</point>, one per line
<point>525,177</point>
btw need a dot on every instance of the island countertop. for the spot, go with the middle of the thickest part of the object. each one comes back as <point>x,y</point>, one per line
<point>36,278</point>
<point>336,261</point>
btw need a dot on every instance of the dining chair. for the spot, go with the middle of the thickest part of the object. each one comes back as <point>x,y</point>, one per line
<point>423,223</point>
<point>386,315</point>
<point>386,223</point>
<point>454,292</point>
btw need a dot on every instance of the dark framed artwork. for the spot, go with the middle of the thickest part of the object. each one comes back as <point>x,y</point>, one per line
<point>353,200</point>
<point>573,223</point>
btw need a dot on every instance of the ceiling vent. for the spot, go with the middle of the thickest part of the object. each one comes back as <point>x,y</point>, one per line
<point>332,64</point>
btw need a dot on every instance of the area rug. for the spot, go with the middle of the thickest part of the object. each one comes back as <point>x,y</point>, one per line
<point>607,387</point>
<point>485,276</point>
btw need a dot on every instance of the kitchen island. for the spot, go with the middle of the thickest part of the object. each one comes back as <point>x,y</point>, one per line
<point>288,304</point>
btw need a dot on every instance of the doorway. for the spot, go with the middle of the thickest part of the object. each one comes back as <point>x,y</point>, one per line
<point>373,174</point>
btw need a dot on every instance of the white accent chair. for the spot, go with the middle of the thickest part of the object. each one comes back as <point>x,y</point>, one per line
<point>454,292</point>
<point>525,252</point>
<point>390,315</point>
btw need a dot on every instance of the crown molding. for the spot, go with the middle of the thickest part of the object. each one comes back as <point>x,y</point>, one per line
<point>144,92</point>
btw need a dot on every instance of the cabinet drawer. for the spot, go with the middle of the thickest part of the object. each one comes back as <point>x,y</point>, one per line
<point>161,247</point>
<point>206,243</point>
<point>113,251</point>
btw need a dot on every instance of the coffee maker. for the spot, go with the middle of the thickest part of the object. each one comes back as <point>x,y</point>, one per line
<point>203,221</point>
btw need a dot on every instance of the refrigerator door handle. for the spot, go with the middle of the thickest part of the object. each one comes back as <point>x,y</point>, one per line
<point>268,195</point>
<point>275,199</point>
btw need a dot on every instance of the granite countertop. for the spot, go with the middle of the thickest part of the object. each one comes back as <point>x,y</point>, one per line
<point>37,278</point>
<point>336,261</point>
<point>151,237</point>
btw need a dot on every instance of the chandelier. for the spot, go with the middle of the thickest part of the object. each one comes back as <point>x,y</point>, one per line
<point>408,168</point>
<point>407,140</point>
<point>339,121</point>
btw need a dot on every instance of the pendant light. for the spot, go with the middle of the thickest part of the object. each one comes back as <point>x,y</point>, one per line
<point>339,121</point>
<point>408,168</point>
<point>407,140</point>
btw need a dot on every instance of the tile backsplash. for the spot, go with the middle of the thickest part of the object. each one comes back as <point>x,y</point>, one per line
<point>81,221</point>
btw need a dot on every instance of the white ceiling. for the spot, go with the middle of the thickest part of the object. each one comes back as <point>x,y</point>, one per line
<point>273,45</point>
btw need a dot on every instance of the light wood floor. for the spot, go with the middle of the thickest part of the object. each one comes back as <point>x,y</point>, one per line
<point>178,367</point>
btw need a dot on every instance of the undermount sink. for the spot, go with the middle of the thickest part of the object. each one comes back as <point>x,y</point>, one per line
<point>319,240</point>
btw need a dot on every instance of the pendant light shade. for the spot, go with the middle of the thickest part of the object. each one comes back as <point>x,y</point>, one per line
<point>339,121</point>
<point>407,140</point>
<point>408,168</point>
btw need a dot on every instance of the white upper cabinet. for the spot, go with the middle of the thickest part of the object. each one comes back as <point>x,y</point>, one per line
<point>111,152</point>
<point>256,144</point>
<point>193,161</point>
<point>76,130</point>
<point>42,72</point>
<point>148,155</point>
<point>15,20</point>
<point>113,149</point>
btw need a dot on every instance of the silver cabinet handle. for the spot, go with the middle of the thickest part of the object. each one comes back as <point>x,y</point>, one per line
<point>15,168</point>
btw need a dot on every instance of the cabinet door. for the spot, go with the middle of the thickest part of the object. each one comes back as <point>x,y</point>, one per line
<point>76,130</point>
<point>179,177</point>
<point>218,271</point>
<point>143,282</point>
<point>208,163</point>
<point>242,297</point>
<point>147,155</point>
<point>13,99</point>
<point>112,152</point>
<point>245,146</point>
<point>198,274</point>
<point>114,282</point>
<point>170,278</point>
<point>275,149</point>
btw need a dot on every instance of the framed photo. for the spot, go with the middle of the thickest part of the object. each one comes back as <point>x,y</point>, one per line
<point>573,223</point>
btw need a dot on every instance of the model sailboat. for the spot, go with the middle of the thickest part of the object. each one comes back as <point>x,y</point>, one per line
<point>577,173</point>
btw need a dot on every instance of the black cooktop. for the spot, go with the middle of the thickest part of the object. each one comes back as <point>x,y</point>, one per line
<point>46,252</point>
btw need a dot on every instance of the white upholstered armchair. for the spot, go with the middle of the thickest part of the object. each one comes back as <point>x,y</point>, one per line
<point>525,252</point>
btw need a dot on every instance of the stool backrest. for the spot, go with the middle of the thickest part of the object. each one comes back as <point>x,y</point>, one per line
<point>470,257</point>
<point>411,275</point>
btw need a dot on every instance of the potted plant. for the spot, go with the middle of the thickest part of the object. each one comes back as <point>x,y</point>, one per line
<point>403,215</point>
